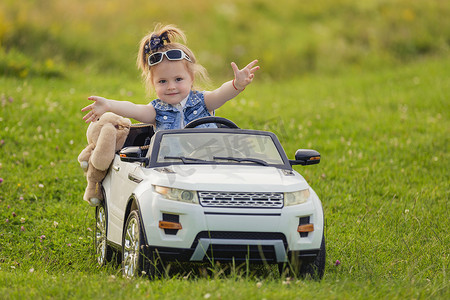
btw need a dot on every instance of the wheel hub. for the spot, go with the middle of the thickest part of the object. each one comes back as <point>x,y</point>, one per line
<point>131,248</point>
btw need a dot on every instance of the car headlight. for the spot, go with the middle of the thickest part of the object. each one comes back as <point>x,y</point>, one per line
<point>295,198</point>
<point>177,194</point>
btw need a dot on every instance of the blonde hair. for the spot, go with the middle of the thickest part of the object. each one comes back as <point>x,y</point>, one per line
<point>171,35</point>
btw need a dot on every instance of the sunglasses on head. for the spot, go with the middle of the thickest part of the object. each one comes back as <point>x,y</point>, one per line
<point>172,54</point>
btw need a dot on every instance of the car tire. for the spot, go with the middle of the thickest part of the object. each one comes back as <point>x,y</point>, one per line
<point>132,247</point>
<point>103,252</point>
<point>302,268</point>
<point>316,268</point>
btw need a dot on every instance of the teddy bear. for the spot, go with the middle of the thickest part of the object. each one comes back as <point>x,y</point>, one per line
<point>105,136</point>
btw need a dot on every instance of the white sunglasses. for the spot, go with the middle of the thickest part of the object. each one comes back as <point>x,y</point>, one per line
<point>172,54</point>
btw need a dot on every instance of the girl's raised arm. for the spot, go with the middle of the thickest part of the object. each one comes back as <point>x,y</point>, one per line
<point>232,88</point>
<point>144,113</point>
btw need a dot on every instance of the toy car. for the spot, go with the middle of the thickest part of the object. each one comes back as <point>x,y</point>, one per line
<point>209,194</point>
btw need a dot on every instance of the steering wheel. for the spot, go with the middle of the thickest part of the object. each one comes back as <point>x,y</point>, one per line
<point>207,120</point>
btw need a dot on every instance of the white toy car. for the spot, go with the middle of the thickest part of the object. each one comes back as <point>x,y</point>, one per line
<point>209,194</point>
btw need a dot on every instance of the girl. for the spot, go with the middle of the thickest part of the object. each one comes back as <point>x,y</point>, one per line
<point>171,67</point>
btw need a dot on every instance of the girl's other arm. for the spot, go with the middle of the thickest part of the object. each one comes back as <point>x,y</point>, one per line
<point>232,88</point>
<point>142,113</point>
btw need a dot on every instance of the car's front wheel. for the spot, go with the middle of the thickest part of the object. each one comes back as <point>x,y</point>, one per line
<point>316,268</point>
<point>132,242</point>
<point>302,268</point>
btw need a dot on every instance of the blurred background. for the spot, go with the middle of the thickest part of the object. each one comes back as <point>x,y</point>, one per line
<point>289,37</point>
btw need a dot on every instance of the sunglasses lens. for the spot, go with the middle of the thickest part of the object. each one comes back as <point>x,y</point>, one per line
<point>155,58</point>
<point>174,54</point>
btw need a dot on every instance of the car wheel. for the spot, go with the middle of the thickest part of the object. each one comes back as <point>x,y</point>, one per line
<point>316,268</point>
<point>103,252</point>
<point>301,268</point>
<point>132,240</point>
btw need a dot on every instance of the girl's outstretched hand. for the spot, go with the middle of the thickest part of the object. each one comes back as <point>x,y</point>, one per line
<point>244,77</point>
<point>96,109</point>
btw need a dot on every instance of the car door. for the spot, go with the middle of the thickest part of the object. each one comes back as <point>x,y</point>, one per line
<point>121,189</point>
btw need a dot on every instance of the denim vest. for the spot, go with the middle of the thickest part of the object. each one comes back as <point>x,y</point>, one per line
<point>169,117</point>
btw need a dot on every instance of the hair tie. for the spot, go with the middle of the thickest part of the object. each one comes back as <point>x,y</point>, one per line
<point>146,48</point>
<point>157,42</point>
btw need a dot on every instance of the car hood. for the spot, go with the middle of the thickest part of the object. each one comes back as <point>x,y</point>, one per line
<point>226,178</point>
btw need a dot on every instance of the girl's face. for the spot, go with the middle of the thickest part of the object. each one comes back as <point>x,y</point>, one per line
<point>172,81</point>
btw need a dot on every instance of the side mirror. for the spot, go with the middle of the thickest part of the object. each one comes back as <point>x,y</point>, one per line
<point>132,154</point>
<point>306,157</point>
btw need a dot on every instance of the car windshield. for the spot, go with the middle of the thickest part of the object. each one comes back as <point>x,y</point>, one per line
<point>218,148</point>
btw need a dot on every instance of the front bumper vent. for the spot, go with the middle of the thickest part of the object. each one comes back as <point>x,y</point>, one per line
<point>254,247</point>
<point>304,221</point>
<point>171,218</point>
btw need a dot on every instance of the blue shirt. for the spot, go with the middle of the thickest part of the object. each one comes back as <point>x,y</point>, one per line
<point>170,117</point>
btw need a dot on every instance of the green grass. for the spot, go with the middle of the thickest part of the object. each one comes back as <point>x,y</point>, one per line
<point>289,37</point>
<point>368,88</point>
<point>383,181</point>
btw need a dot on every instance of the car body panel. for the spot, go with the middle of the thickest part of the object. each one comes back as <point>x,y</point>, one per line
<point>128,181</point>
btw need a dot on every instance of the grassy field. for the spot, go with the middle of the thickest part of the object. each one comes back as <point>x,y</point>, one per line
<point>377,110</point>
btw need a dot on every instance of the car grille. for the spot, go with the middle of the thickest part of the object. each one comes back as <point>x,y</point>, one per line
<point>241,200</point>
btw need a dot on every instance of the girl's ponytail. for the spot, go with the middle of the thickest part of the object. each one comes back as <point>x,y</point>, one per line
<point>157,40</point>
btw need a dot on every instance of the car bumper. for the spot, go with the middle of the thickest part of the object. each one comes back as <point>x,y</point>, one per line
<point>226,234</point>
